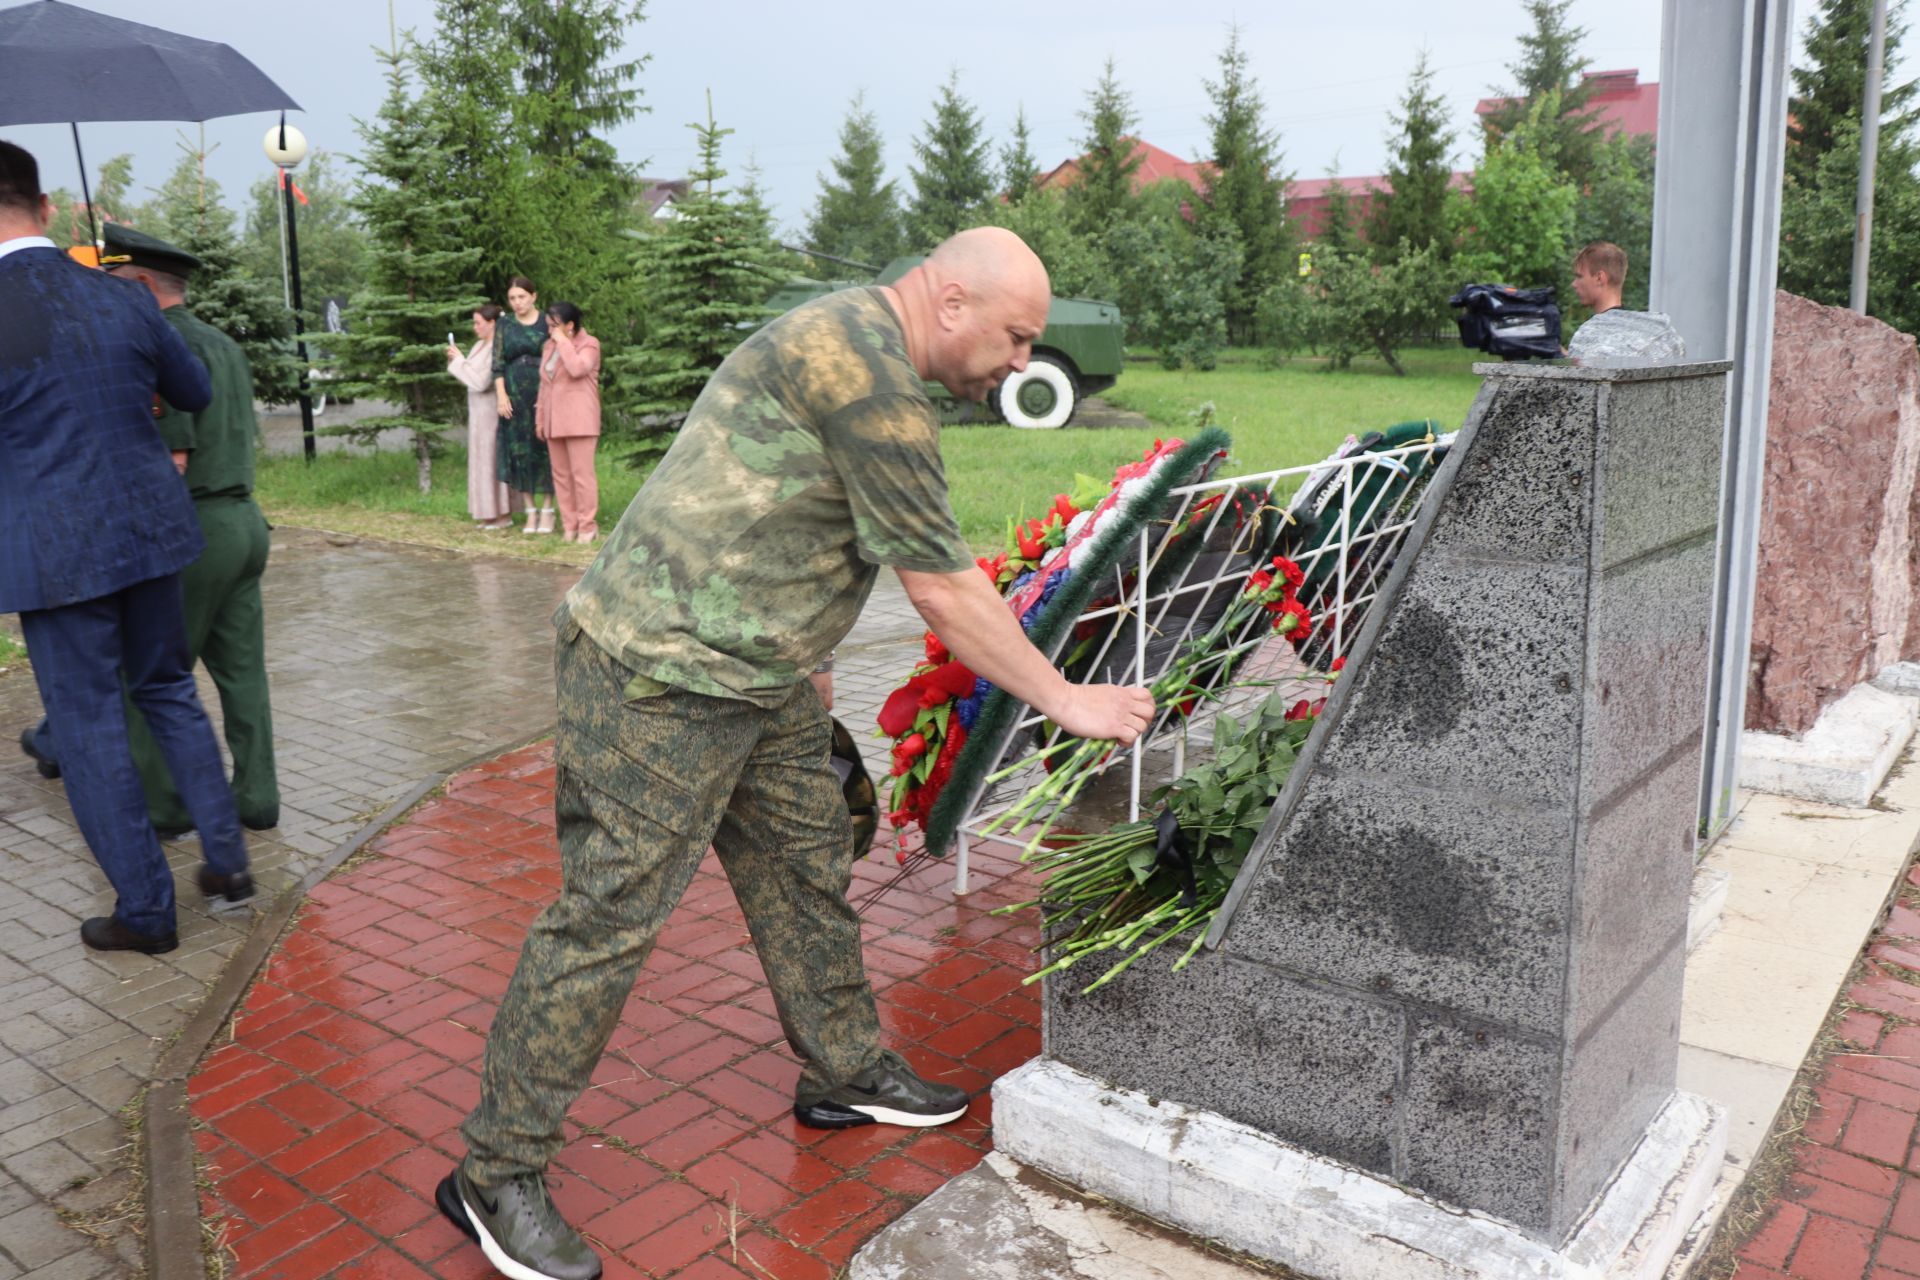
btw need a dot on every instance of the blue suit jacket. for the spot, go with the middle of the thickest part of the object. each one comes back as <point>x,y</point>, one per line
<point>90,502</point>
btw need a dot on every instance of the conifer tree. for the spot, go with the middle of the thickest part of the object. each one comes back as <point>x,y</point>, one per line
<point>1103,192</point>
<point>1338,230</point>
<point>417,271</point>
<point>187,211</point>
<point>1822,169</point>
<point>952,180</point>
<point>1018,168</point>
<point>1420,171</point>
<point>573,91</point>
<point>467,81</point>
<point>1550,63</point>
<point>857,214</point>
<point>1831,88</point>
<point>709,270</point>
<point>1246,186</point>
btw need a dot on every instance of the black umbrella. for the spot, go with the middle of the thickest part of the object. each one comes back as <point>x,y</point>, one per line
<point>72,64</point>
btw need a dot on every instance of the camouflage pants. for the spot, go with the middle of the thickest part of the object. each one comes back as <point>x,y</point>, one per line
<point>643,788</point>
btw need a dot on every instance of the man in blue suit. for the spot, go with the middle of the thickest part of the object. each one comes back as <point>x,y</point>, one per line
<point>95,527</point>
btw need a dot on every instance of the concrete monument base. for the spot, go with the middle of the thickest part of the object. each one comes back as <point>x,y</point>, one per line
<point>1231,1183</point>
<point>1844,758</point>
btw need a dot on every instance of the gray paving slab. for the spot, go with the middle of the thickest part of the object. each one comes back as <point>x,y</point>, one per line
<point>389,663</point>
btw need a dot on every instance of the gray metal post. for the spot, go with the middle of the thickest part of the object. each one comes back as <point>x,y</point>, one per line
<point>1869,158</point>
<point>1716,239</point>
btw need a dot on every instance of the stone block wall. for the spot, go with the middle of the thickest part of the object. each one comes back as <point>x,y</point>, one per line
<point>1454,958</point>
<point>1837,596</point>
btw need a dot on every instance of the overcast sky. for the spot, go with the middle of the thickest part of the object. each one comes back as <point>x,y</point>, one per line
<point>782,73</point>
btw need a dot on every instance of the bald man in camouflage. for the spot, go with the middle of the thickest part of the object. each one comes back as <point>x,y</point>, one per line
<point>687,717</point>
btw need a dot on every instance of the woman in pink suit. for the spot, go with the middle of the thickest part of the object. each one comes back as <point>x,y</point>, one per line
<point>568,418</point>
<point>489,500</point>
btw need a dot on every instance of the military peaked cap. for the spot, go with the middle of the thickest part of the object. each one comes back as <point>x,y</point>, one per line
<point>126,247</point>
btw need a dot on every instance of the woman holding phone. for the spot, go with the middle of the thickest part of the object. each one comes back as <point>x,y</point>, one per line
<point>522,459</point>
<point>568,418</point>
<point>489,501</point>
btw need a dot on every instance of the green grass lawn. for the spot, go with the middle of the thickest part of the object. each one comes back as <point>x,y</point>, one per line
<point>1278,417</point>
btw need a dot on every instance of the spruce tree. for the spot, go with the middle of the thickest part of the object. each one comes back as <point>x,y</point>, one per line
<point>1420,171</point>
<point>113,194</point>
<point>187,211</point>
<point>467,81</point>
<point>1831,88</point>
<point>708,270</point>
<point>857,214</point>
<point>1822,170</point>
<point>572,89</point>
<point>1550,63</point>
<point>1246,186</point>
<point>1018,168</point>
<point>1339,232</point>
<point>1103,192</point>
<point>952,180</point>
<point>417,272</point>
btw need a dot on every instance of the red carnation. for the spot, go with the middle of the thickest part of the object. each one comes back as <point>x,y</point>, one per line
<point>1290,571</point>
<point>1293,621</point>
<point>1258,581</point>
<point>936,651</point>
<point>1339,665</point>
<point>1300,711</point>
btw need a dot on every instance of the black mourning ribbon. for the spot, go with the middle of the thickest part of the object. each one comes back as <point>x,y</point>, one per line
<point>1170,850</point>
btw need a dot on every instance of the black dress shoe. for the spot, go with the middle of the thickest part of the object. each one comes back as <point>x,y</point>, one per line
<point>264,822</point>
<point>104,933</point>
<point>232,890</point>
<point>47,766</point>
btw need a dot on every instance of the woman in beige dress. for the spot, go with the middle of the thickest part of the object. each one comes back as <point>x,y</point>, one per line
<point>489,500</point>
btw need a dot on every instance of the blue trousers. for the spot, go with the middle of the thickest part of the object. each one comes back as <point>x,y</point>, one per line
<point>79,653</point>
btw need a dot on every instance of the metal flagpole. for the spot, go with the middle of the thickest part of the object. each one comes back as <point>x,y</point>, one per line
<point>1869,158</point>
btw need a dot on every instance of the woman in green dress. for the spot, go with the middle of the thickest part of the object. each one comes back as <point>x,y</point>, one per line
<point>522,459</point>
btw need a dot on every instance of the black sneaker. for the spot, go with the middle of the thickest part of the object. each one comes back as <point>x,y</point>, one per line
<point>517,1227</point>
<point>226,891</point>
<point>43,763</point>
<point>888,1092</point>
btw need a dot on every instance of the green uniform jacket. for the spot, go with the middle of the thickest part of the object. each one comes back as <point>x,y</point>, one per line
<point>221,435</point>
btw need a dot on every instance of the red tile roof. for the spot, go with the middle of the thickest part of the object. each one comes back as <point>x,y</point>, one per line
<point>1156,165</point>
<point>1620,103</point>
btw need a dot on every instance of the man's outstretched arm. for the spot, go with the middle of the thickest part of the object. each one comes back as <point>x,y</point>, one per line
<point>975,624</point>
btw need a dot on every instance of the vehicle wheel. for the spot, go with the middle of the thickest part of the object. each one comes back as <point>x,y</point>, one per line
<point>1040,396</point>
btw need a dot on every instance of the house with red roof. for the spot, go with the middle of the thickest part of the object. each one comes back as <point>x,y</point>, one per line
<point>1307,199</point>
<point>1619,103</point>
<point>1156,165</point>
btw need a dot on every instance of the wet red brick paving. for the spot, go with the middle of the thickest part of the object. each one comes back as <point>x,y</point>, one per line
<point>330,1115</point>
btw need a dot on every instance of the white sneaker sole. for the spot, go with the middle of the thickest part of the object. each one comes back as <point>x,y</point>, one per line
<point>495,1254</point>
<point>887,1115</point>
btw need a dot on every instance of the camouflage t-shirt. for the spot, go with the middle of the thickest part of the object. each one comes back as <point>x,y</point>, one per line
<point>811,458</point>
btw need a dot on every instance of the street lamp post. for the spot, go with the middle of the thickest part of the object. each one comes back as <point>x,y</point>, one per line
<point>286,146</point>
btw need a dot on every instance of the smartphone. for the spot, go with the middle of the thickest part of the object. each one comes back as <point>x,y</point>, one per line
<point>450,341</point>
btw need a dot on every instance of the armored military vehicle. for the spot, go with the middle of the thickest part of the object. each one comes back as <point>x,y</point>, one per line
<point>1080,354</point>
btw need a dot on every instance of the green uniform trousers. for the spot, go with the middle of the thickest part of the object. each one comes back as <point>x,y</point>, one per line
<point>226,630</point>
<point>643,787</point>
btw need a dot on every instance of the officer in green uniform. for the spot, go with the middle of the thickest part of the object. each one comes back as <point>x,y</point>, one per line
<point>225,622</point>
<point>687,718</point>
